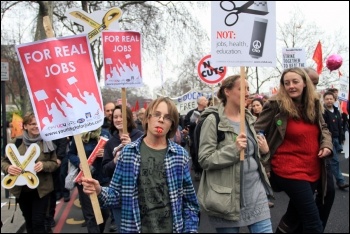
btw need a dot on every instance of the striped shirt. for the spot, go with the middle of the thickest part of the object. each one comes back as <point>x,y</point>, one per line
<point>124,188</point>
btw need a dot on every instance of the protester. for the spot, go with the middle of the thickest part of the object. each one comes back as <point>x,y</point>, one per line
<point>257,105</point>
<point>233,192</point>
<point>265,98</point>
<point>34,203</point>
<point>213,102</point>
<point>140,117</point>
<point>324,202</point>
<point>333,120</point>
<point>336,102</point>
<point>114,145</point>
<point>134,116</point>
<point>107,121</point>
<point>288,118</point>
<point>152,180</point>
<point>190,123</point>
<point>90,140</point>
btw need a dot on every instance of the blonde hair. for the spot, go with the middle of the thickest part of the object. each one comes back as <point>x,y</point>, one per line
<point>172,112</point>
<point>310,105</point>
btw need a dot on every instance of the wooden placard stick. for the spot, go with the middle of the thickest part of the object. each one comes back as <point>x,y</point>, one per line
<point>81,152</point>
<point>124,116</point>
<point>242,107</point>
<point>87,174</point>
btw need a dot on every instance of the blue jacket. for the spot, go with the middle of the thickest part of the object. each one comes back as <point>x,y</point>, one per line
<point>123,188</point>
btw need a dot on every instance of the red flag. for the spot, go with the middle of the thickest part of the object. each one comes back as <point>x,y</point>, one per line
<point>343,106</point>
<point>137,105</point>
<point>145,105</point>
<point>318,57</point>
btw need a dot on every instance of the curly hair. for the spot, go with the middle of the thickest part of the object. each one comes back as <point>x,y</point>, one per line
<point>308,110</point>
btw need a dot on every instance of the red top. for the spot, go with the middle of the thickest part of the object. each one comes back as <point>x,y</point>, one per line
<point>296,158</point>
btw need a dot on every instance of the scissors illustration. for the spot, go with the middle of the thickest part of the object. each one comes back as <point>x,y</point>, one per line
<point>31,154</point>
<point>110,16</point>
<point>230,6</point>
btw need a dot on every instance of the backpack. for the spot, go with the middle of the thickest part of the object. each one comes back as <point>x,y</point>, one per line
<point>197,131</point>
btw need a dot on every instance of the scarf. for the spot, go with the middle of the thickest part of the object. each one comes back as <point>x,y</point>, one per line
<point>86,136</point>
<point>47,145</point>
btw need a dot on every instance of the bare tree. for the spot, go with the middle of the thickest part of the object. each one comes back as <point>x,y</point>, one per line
<point>298,33</point>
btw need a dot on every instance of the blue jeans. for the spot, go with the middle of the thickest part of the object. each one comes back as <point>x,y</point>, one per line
<point>263,226</point>
<point>335,163</point>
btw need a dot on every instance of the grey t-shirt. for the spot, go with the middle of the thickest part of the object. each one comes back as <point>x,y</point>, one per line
<point>154,200</point>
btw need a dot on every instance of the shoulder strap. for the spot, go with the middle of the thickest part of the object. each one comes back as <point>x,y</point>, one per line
<point>220,134</point>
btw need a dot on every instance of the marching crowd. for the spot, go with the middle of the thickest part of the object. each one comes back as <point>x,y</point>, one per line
<point>290,142</point>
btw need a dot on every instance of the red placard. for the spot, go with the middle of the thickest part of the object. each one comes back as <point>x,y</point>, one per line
<point>62,84</point>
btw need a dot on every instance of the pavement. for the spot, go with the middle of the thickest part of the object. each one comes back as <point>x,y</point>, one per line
<point>7,212</point>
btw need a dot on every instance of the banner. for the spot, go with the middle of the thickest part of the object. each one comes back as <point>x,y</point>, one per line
<point>188,101</point>
<point>62,85</point>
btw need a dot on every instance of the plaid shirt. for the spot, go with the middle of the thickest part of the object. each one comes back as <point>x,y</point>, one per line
<point>124,188</point>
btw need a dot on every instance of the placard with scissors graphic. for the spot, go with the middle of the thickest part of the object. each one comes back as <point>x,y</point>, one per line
<point>95,22</point>
<point>243,33</point>
<point>26,163</point>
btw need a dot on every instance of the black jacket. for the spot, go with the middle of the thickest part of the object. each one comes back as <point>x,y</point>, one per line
<point>334,123</point>
<point>108,164</point>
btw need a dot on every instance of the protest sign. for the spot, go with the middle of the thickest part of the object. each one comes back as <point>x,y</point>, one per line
<point>26,163</point>
<point>62,85</point>
<point>208,72</point>
<point>122,57</point>
<point>243,33</point>
<point>293,57</point>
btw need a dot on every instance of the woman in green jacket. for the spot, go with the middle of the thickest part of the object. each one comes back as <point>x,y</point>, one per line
<point>33,202</point>
<point>233,192</point>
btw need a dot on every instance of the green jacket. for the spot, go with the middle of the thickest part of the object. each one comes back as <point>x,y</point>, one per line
<point>274,124</point>
<point>219,192</point>
<point>45,177</point>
